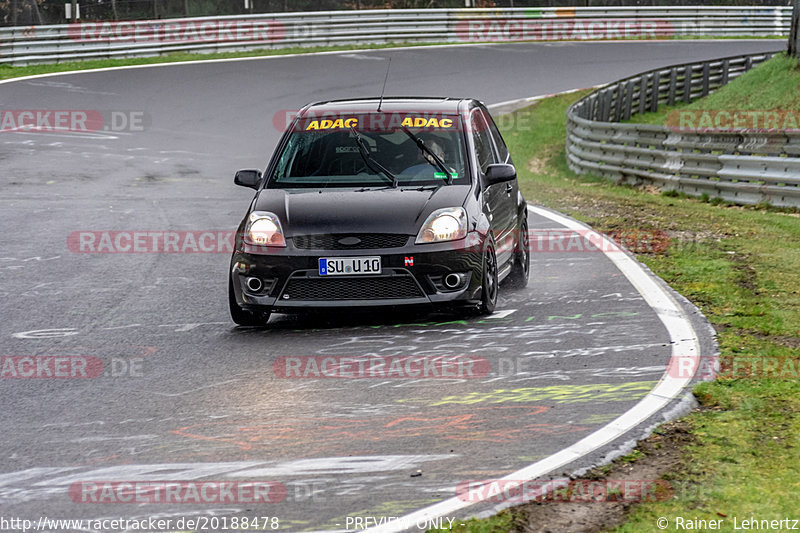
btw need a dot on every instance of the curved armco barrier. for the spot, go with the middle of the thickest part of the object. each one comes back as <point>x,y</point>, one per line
<point>745,157</point>
<point>106,39</point>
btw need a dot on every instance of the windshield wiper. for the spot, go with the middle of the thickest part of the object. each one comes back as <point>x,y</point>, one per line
<point>376,167</point>
<point>373,188</point>
<point>439,162</point>
<point>423,188</point>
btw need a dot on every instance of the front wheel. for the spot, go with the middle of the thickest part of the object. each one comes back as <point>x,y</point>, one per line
<point>243,317</point>
<point>489,282</point>
<point>520,270</point>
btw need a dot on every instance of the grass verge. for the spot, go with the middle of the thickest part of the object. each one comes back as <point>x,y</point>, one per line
<point>748,92</point>
<point>741,267</point>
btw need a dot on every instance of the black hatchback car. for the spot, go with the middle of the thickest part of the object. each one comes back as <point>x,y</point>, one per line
<point>381,202</point>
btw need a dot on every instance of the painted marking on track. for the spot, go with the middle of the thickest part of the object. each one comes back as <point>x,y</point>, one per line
<point>182,328</point>
<point>123,327</point>
<point>45,333</point>
<point>362,57</point>
<point>590,392</point>
<point>342,465</point>
<point>42,482</point>
<point>338,434</point>
<point>684,343</point>
<point>502,314</point>
<point>66,332</point>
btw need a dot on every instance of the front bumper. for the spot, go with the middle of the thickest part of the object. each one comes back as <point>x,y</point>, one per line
<point>411,274</point>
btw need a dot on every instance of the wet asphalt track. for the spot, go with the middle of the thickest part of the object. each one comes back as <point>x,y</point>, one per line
<point>187,396</point>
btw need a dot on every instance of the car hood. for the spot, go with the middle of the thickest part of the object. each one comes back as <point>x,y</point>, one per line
<point>401,211</point>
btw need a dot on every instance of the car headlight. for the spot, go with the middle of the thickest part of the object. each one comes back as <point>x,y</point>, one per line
<point>448,224</point>
<point>264,229</point>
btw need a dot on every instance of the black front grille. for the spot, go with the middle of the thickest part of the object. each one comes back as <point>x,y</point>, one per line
<point>351,288</point>
<point>365,241</point>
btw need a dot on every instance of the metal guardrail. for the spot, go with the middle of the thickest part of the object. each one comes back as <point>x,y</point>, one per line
<point>737,166</point>
<point>93,40</point>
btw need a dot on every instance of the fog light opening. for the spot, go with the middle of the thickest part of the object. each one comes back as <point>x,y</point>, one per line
<point>451,281</point>
<point>254,284</point>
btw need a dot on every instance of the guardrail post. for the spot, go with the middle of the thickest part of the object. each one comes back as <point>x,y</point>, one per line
<point>706,71</point>
<point>687,83</point>
<point>617,101</point>
<point>673,79</point>
<point>794,31</point>
<point>796,18</point>
<point>642,93</point>
<point>656,77</point>
<point>599,113</point>
<point>726,67</point>
<point>606,108</point>
<point>626,106</point>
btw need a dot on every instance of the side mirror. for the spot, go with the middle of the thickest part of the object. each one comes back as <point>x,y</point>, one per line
<point>499,173</point>
<point>248,178</point>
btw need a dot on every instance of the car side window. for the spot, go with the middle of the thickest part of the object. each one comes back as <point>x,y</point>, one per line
<point>482,140</point>
<point>502,150</point>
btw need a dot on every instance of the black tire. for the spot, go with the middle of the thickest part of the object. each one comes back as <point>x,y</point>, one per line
<point>243,317</point>
<point>520,270</point>
<point>489,282</point>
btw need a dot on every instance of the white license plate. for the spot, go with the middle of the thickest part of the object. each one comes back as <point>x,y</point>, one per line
<point>349,266</point>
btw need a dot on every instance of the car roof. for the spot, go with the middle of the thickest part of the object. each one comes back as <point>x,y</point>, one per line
<point>419,104</point>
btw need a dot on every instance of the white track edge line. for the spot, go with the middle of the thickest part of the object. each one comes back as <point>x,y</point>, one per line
<point>522,102</point>
<point>684,340</point>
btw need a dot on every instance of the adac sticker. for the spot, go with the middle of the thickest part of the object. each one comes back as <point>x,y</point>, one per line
<point>423,122</point>
<point>332,124</point>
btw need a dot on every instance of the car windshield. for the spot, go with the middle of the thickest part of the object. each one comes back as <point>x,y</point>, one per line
<point>371,150</point>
